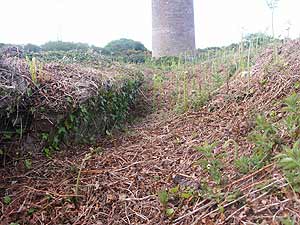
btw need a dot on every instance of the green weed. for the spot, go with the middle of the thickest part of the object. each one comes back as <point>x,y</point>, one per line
<point>7,200</point>
<point>288,221</point>
<point>289,161</point>
<point>163,197</point>
<point>211,163</point>
<point>264,137</point>
<point>244,164</point>
<point>175,195</point>
<point>292,120</point>
<point>28,164</point>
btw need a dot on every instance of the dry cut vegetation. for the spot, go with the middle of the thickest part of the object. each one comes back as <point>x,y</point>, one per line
<point>45,104</point>
<point>234,161</point>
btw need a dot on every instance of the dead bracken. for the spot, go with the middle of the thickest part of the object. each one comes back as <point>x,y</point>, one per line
<point>151,174</point>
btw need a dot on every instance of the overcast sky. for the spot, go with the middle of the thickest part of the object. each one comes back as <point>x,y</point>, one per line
<point>218,22</point>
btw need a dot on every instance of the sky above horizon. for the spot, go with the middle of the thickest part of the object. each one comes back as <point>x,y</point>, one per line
<point>97,22</point>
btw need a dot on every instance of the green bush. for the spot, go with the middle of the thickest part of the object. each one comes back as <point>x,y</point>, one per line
<point>32,48</point>
<point>123,45</point>
<point>64,46</point>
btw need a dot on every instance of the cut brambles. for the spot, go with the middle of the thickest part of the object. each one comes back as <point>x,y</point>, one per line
<point>67,101</point>
<point>149,176</point>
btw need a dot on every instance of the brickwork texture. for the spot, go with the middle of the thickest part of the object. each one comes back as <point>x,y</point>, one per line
<point>173,28</point>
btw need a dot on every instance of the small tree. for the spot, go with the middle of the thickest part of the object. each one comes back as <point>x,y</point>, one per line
<point>272,4</point>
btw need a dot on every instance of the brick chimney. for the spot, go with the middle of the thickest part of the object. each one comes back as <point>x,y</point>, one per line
<point>173,28</point>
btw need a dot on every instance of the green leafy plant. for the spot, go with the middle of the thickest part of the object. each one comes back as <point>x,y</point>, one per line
<point>187,193</point>
<point>176,195</point>
<point>264,126</point>
<point>212,162</point>
<point>163,197</point>
<point>292,103</point>
<point>170,212</point>
<point>28,164</point>
<point>217,80</point>
<point>31,211</point>
<point>292,120</point>
<point>289,161</point>
<point>211,192</point>
<point>7,200</point>
<point>288,221</point>
<point>264,138</point>
<point>200,98</point>
<point>99,115</point>
<point>243,164</point>
<point>47,152</point>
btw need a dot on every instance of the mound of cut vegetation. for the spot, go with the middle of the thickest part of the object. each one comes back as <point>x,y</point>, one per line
<point>235,161</point>
<point>52,102</point>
